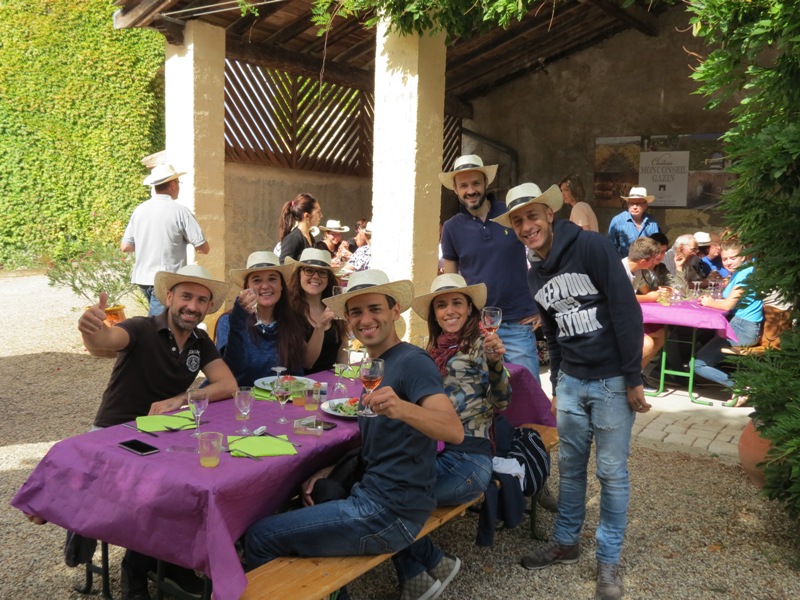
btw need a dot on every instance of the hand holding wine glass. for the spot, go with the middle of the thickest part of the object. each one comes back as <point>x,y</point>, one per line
<point>371,374</point>
<point>491,317</point>
<point>198,402</point>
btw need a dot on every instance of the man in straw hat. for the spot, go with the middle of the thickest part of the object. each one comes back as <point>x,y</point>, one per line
<point>593,326</point>
<point>632,222</point>
<point>158,232</point>
<point>388,507</point>
<point>486,252</point>
<point>159,358</point>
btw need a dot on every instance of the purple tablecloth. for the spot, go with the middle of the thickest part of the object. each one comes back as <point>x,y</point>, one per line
<point>529,403</point>
<point>166,505</point>
<point>688,314</point>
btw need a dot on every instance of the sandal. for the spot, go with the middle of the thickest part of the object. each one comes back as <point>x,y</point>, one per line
<point>736,402</point>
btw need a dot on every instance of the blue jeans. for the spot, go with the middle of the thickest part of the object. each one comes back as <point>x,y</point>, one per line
<point>351,527</point>
<point>156,308</point>
<point>520,343</point>
<point>593,409</point>
<point>710,355</point>
<point>460,477</point>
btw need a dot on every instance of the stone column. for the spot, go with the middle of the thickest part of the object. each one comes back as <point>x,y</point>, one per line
<point>195,111</point>
<point>407,158</point>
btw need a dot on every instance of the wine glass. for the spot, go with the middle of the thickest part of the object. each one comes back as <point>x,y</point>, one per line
<point>198,402</point>
<point>339,389</point>
<point>371,374</point>
<point>282,391</point>
<point>244,402</point>
<point>491,317</point>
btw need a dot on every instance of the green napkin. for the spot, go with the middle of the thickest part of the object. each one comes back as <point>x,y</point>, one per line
<point>351,372</point>
<point>261,445</point>
<point>161,422</point>
<point>262,394</point>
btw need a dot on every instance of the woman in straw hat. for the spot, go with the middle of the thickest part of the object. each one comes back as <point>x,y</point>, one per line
<point>326,337</point>
<point>262,330</point>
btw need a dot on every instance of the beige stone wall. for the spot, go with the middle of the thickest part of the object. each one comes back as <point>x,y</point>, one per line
<point>630,84</point>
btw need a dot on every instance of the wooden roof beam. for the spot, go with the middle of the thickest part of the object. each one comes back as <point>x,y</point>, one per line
<point>140,14</point>
<point>292,30</point>
<point>241,25</point>
<point>634,16</point>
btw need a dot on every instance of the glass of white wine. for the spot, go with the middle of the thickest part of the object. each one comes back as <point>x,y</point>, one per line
<point>492,318</point>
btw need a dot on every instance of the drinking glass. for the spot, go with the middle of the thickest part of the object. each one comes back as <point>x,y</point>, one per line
<point>371,374</point>
<point>282,391</point>
<point>491,317</point>
<point>198,402</point>
<point>313,394</point>
<point>695,289</point>
<point>244,402</point>
<point>339,389</point>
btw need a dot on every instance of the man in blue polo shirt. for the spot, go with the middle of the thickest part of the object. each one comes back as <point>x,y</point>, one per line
<point>485,252</point>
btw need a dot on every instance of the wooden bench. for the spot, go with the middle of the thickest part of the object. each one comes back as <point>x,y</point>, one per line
<point>776,321</point>
<point>298,578</point>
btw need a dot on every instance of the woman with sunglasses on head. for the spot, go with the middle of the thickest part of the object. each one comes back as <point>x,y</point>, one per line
<point>262,330</point>
<point>325,337</point>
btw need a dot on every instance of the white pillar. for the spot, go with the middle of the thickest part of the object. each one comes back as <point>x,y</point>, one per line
<point>407,158</point>
<point>195,111</point>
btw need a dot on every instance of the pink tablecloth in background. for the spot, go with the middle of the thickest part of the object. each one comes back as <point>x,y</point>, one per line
<point>688,314</point>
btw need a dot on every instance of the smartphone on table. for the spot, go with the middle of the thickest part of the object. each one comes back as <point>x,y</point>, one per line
<point>138,447</point>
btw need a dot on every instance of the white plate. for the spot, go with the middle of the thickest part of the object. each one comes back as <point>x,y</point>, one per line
<point>265,383</point>
<point>328,407</point>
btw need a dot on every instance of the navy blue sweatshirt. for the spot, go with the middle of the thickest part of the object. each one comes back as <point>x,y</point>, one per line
<point>590,315</point>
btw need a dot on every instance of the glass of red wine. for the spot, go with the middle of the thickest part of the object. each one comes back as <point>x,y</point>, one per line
<point>491,317</point>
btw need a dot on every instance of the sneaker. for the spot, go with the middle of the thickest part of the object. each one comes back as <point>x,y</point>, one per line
<point>609,582</point>
<point>649,388</point>
<point>447,568</point>
<point>550,553</point>
<point>134,588</point>
<point>546,499</point>
<point>421,587</point>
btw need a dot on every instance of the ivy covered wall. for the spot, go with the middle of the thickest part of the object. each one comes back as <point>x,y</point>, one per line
<point>80,105</point>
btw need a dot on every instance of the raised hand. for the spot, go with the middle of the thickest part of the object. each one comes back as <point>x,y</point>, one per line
<point>92,320</point>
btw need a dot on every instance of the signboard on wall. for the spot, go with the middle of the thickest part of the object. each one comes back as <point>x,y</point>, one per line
<point>679,170</point>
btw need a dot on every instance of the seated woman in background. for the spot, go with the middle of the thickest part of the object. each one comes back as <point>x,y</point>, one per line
<point>477,384</point>
<point>262,330</point>
<point>326,337</point>
<point>747,315</point>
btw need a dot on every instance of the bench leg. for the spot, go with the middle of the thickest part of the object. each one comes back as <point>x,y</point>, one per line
<point>101,570</point>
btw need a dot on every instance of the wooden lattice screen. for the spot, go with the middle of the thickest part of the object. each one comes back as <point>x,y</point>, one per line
<point>292,121</point>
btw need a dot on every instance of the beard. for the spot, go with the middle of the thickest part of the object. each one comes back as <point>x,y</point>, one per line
<point>178,321</point>
<point>468,201</point>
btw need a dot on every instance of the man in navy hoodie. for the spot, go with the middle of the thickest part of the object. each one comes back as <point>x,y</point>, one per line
<point>593,326</point>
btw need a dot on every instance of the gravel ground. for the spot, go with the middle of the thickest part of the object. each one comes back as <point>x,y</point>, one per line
<point>698,528</point>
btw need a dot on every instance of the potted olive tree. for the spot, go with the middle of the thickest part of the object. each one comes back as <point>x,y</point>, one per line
<point>756,61</point>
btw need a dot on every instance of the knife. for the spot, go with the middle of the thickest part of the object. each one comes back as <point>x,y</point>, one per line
<point>230,451</point>
<point>135,428</point>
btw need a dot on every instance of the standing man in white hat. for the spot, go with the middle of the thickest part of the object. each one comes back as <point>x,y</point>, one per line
<point>158,232</point>
<point>485,252</point>
<point>632,223</point>
<point>594,332</point>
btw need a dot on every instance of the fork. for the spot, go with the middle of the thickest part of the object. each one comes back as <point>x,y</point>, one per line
<point>263,431</point>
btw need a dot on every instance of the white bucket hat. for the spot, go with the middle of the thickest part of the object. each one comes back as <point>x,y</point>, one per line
<point>162,174</point>
<point>312,257</point>
<point>261,260</point>
<point>445,284</point>
<point>372,281</point>
<point>468,162</point>
<point>165,281</point>
<point>335,226</point>
<point>638,193</point>
<point>529,193</point>
<point>703,239</point>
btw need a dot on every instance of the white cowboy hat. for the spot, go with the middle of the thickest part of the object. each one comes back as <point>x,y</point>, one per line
<point>702,238</point>
<point>529,193</point>
<point>468,162</point>
<point>372,281</point>
<point>335,226</point>
<point>444,284</point>
<point>638,193</point>
<point>368,228</point>
<point>162,174</point>
<point>165,281</point>
<point>261,260</point>
<point>311,257</point>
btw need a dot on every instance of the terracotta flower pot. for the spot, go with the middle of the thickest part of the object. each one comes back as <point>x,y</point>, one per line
<point>753,450</point>
<point>114,314</point>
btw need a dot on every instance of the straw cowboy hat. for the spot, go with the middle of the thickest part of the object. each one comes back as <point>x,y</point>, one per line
<point>468,162</point>
<point>445,284</point>
<point>702,238</point>
<point>261,260</point>
<point>335,226</point>
<point>526,194</point>
<point>372,281</point>
<point>638,193</point>
<point>165,281</point>
<point>312,257</point>
<point>162,174</point>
